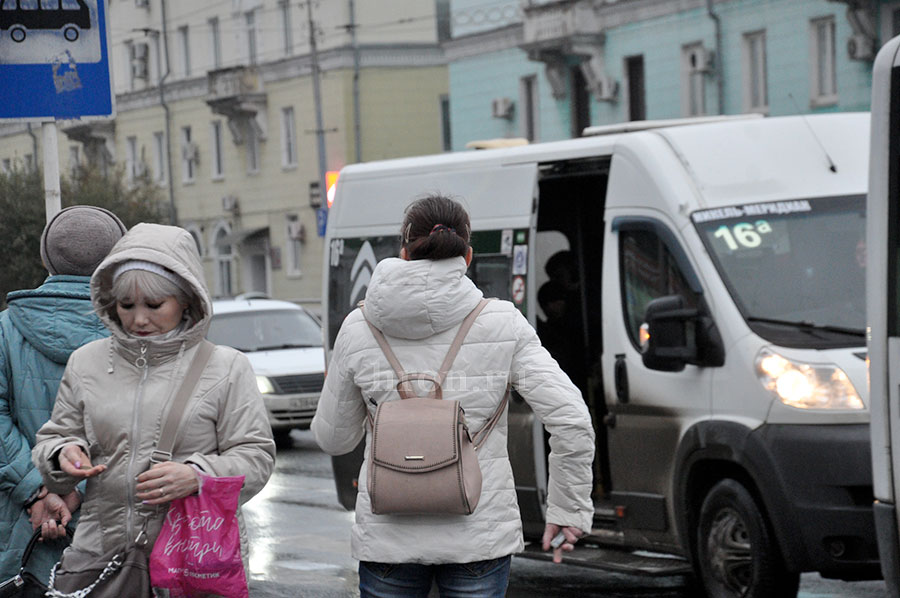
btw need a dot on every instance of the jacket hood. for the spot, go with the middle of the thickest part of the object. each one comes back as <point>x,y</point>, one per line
<point>57,317</point>
<point>419,298</point>
<point>171,247</point>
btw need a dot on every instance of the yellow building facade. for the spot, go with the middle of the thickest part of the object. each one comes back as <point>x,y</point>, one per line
<point>216,102</point>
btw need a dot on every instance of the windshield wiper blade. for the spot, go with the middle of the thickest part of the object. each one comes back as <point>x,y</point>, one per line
<point>285,346</point>
<point>809,326</point>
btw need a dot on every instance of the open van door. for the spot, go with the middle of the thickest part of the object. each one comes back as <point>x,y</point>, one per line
<point>364,228</point>
<point>883,305</point>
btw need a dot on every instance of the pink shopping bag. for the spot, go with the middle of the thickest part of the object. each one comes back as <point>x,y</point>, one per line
<point>198,551</point>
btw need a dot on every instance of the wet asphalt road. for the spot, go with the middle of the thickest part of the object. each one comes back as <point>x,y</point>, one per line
<point>300,547</point>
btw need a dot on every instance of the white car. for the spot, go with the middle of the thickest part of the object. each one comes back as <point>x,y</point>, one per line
<point>284,345</point>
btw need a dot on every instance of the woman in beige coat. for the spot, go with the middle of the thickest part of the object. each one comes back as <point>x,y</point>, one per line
<point>115,392</point>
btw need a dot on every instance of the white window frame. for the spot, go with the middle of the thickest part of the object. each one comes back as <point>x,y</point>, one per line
<point>529,120</point>
<point>693,83</point>
<point>252,145</point>
<point>287,30</point>
<point>74,159</point>
<point>252,31</point>
<point>184,37</point>
<point>288,138</point>
<point>217,159</point>
<point>822,58</point>
<point>293,249</point>
<point>756,86</point>
<point>129,59</point>
<point>6,165</point>
<point>215,42</point>
<point>224,259</point>
<point>188,167</point>
<point>131,158</point>
<point>197,234</point>
<point>159,157</point>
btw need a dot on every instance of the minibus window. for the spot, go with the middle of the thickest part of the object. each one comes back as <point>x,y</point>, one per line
<point>649,271</point>
<point>795,269</point>
<point>50,4</point>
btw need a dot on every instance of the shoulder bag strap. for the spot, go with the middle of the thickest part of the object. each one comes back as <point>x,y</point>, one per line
<point>163,451</point>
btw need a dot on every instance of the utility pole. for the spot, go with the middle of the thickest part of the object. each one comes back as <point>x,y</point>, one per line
<point>317,99</point>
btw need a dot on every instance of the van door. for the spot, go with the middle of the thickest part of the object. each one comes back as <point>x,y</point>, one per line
<point>364,228</point>
<point>648,409</point>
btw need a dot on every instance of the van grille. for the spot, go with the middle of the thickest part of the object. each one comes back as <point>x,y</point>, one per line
<point>290,385</point>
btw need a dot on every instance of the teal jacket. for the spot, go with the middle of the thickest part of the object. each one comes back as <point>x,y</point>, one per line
<point>38,331</point>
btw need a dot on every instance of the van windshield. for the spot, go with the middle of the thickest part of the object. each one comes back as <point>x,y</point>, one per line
<point>796,269</point>
<point>265,330</point>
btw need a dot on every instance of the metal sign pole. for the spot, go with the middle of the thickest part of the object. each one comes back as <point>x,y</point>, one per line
<point>52,199</point>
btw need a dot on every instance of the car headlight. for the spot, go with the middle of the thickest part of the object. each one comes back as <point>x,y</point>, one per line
<point>265,385</point>
<point>806,386</point>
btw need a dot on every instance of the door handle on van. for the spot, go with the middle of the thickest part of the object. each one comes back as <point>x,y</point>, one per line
<point>620,376</point>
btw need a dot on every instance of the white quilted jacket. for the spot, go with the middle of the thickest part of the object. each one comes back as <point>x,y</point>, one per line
<point>419,306</point>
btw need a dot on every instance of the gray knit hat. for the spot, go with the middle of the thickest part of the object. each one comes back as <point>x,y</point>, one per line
<point>77,239</point>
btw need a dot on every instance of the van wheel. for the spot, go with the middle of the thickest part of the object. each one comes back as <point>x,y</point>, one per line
<point>283,439</point>
<point>17,33</point>
<point>737,557</point>
<point>70,32</point>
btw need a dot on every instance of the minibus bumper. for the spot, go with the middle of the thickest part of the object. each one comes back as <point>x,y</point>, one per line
<point>825,473</point>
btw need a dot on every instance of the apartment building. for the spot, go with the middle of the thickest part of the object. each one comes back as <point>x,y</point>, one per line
<point>236,109</point>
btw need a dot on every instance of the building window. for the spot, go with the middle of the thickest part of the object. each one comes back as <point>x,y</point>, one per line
<point>446,139</point>
<point>215,42</point>
<point>634,76</point>
<point>252,47</point>
<point>756,94</point>
<point>824,79</point>
<point>6,166</point>
<point>159,157</point>
<point>129,56</point>
<point>693,79</point>
<point>286,28</point>
<point>252,148</point>
<point>188,156</point>
<point>224,263</point>
<point>131,158</point>
<point>217,165</point>
<point>294,245</point>
<point>288,138</point>
<point>74,159</point>
<point>28,160</point>
<point>185,43</point>
<point>528,102</point>
<point>197,235</point>
<point>581,103</point>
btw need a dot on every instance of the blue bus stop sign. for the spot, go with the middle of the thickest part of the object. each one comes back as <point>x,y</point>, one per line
<point>54,60</point>
<point>321,221</point>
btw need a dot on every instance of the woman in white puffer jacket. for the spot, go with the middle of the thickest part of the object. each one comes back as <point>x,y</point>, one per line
<point>419,302</point>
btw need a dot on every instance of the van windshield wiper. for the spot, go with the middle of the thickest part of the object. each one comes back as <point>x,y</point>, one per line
<point>809,326</point>
<point>285,346</point>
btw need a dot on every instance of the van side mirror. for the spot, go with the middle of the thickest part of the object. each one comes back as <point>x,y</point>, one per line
<point>673,335</point>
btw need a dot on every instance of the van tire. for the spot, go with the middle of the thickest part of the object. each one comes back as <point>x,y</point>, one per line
<point>737,555</point>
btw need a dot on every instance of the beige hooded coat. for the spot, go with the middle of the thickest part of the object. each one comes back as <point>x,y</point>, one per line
<point>115,394</point>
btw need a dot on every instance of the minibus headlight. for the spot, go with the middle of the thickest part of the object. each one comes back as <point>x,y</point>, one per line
<point>265,385</point>
<point>806,386</point>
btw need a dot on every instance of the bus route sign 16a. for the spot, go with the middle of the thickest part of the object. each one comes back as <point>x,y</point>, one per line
<point>54,60</point>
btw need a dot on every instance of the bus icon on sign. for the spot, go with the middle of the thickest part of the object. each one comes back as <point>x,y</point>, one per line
<point>42,31</point>
<point>20,16</point>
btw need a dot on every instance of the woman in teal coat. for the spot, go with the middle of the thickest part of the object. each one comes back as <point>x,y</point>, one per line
<point>38,331</point>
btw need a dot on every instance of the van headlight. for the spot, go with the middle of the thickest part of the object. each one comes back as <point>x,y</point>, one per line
<point>265,385</point>
<point>806,386</point>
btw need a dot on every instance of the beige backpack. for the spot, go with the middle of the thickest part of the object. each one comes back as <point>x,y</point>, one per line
<point>423,458</point>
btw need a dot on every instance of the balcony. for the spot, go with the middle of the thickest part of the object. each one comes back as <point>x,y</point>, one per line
<point>237,93</point>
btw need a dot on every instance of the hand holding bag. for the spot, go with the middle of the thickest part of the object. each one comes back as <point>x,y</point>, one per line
<point>198,550</point>
<point>125,572</point>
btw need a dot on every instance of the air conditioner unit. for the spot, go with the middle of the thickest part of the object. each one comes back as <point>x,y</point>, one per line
<point>190,152</point>
<point>700,59</point>
<point>502,108</point>
<point>607,88</point>
<point>139,58</point>
<point>296,231</point>
<point>861,47</point>
<point>229,203</point>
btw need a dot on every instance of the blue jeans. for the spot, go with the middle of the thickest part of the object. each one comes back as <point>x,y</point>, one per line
<point>479,579</point>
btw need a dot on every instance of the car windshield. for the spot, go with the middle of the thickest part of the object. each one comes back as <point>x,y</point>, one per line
<point>796,269</point>
<point>265,330</point>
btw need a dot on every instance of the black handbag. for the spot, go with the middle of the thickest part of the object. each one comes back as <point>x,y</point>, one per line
<point>24,584</point>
